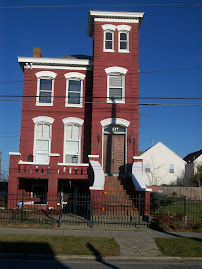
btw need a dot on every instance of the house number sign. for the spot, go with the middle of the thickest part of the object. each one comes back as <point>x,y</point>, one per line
<point>114,129</point>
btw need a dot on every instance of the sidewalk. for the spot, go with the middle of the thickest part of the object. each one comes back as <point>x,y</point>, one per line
<point>133,244</point>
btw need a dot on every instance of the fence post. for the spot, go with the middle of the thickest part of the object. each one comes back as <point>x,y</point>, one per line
<point>22,206</point>
<point>185,210</point>
<point>60,210</point>
<point>139,201</point>
<point>91,209</point>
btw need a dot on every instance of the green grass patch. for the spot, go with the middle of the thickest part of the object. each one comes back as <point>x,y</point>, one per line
<point>69,245</point>
<point>193,209</point>
<point>180,247</point>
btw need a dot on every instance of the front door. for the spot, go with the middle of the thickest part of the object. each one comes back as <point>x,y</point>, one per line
<point>114,153</point>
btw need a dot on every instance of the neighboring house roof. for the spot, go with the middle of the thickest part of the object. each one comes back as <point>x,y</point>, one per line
<point>191,157</point>
<point>160,144</point>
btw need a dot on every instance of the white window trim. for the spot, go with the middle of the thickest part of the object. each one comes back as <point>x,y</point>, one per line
<point>37,120</point>
<point>72,120</point>
<point>74,76</point>
<point>123,29</point>
<point>108,28</point>
<point>45,75</point>
<point>119,70</point>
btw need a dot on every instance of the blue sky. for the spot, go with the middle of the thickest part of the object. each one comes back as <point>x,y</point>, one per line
<point>169,39</point>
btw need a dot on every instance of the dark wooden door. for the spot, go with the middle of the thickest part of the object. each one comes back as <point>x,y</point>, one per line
<point>114,153</point>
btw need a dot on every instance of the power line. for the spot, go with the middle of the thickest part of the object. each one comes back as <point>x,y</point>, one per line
<point>102,97</point>
<point>130,73</point>
<point>99,5</point>
<point>138,104</point>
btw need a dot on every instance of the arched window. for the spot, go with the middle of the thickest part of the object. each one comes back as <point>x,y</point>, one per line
<point>45,88</point>
<point>116,84</point>
<point>72,140</point>
<point>42,139</point>
<point>108,44</point>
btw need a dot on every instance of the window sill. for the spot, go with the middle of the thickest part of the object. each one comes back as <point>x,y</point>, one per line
<point>44,104</point>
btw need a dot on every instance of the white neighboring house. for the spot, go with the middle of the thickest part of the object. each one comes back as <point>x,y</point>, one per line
<point>194,160</point>
<point>161,165</point>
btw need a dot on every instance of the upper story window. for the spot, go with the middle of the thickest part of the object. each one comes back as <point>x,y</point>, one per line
<point>147,167</point>
<point>171,168</point>
<point>108,44</point>
<point>42,139</point>
<point>123,38</point>
<point>116,84</point>
<point>74,89</point>
<point>45,88</point>
<point>72,140</point>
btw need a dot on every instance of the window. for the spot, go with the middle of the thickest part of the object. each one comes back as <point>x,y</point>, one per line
<point>45,88</point>
<point>74,89</point>
<point>123,38</point>
<point>171,168</point>
<point>147,167</point>
<point>72,140</point>
<point>116,84</point>
<point>42,139</point>
<point>108,45</point>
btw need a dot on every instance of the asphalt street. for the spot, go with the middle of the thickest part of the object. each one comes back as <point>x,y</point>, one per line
<point>81,264</point>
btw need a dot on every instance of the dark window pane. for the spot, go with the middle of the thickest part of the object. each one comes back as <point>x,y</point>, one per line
<point>45,97</point>
<point>123,45</point>
<point>73,98</point>
<point>115,93</point>
<point>108,36</point>
<point>108,45</point>
<point>74,85</point>
<point>46,84</point>
<point>123,36</point>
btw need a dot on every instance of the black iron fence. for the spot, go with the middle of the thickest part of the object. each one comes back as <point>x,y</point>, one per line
<point>103,210</point>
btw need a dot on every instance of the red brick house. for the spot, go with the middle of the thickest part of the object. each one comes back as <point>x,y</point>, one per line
<point>79,126</point>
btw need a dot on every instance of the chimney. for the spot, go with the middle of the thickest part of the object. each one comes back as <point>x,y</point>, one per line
<point>37,52</point>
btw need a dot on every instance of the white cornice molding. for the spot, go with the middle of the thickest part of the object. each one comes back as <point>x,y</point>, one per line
<point>116,20</point>
<point>15,153</point>
<point>111,14</point>
<point>108,16</point>
<point>30,61</point>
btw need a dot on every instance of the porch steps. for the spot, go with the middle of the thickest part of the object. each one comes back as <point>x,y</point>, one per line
<point>117,201</point>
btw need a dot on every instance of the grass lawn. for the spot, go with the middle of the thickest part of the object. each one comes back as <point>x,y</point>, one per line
<point>180,247</point>
<point>69,245</point>
<point>193,209</point>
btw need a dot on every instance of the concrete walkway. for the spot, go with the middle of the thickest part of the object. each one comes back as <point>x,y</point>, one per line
<point>133,243</point>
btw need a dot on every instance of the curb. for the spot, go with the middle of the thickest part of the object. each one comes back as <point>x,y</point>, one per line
<point>19,256</point>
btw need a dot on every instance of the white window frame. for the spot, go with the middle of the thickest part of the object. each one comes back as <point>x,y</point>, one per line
<point>147,168</point>
<point>119,71</point>
<point>37,121</point>
<point>72,121</point>
<point>74,76</point>
<point>123,29</point>
<point>108,28</point>
<point>45,75</point>
<point>171,168</point>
